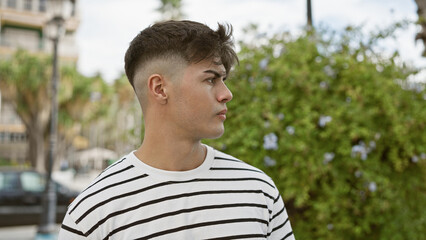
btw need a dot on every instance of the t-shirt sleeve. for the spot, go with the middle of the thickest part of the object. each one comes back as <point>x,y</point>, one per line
<point>279,224</point>
<point>70,230</point>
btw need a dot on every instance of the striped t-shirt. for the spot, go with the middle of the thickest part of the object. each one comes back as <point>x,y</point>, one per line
<point>224,198</point>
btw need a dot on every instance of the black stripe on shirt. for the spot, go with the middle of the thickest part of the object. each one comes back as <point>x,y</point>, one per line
<point>109,175</point>
<point>278,213</point>
<point>107,187</point>
<point>276,199</point>
<point>287,235</point>
<point>278,227</point>
<point>69,229</point>
<point>228,159</point>
<point>160,185</point>
<point>114,164</point>
<point>203,224</point>
<point>237,169</point>
<point>142,221</point>
<point>246,236</point>
<point>167,199</point>
<point>233,180</point>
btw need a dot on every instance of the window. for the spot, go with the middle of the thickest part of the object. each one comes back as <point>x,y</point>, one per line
<point>42,6</point>
<point>23,137</point>
<point>20,38</point>
<point>13,137</point>
<point>32,182</point>
<point>17,137</point>
<point>11,3</point>
<point>6,137</point>
<point>8,181</point>
<point>28,5</point>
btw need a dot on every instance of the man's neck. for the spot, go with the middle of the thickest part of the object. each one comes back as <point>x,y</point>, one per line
<point>171,154</point>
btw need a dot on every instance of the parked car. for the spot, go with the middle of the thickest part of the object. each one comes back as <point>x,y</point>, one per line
<point>21,194</point>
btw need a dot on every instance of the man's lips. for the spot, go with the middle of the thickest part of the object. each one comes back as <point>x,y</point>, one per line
<point>222,114</point>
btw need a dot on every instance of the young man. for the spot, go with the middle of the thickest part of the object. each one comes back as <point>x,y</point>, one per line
<point>173,186</point>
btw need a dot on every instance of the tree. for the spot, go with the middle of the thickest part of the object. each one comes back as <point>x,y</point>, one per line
<point>338,127</point>
<point>82,101</point>
<point>124,119</point>
<point>25,82</point>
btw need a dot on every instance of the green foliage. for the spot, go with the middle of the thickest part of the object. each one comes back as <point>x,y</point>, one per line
<point>25,81</point>
<point>82,99</point>
<point>338,127</point>
<point>4,162</point>
<point>125,122</point>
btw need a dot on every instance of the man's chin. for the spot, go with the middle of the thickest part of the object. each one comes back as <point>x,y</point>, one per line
<point>215,135</point>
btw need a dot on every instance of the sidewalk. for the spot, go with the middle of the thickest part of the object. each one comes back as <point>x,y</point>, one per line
<point>78,183</point>
<point>20,233</point>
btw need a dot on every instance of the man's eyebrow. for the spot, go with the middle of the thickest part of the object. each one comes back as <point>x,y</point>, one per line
<point>215,73</point>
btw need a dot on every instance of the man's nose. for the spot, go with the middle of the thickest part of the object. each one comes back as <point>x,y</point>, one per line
<point>225,95</point>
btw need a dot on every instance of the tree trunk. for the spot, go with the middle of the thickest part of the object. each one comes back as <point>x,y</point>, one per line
<point>36,148</point>
<point>36,124</point>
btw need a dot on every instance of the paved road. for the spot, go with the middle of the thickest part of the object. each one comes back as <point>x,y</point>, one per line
<point>19,233</point>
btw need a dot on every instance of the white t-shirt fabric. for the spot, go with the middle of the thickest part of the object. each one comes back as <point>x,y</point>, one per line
<point>224,198</point>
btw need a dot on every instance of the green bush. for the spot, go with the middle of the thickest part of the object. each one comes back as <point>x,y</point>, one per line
<point>338,127</point>
<point>4,162</point>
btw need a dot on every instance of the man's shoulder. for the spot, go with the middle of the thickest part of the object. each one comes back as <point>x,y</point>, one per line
<point>230,160</point>
<point>237,167</point>
<point>113,173</point>
<point>104,186</point>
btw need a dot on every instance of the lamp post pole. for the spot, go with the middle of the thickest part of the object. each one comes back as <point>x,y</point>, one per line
<point>309,14</point>
<point>47,228</point>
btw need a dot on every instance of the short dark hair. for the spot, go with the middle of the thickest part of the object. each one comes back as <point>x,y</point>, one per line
<point>190,40</point>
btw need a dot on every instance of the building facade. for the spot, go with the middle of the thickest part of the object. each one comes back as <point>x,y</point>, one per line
<point>23,24</point>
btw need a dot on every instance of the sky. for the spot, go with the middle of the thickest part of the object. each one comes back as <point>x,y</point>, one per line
<point>107,26</point>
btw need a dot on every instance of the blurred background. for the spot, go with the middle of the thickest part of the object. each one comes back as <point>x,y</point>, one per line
<point>329,100</point>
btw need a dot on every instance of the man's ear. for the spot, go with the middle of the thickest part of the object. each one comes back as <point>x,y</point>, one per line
<point>157,88</point>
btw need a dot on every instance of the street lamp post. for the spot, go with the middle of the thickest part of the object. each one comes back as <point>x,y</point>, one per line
<point>55,28</point>
<point>309,14</point>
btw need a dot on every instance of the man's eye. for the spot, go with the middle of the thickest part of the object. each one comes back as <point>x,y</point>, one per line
<point>211,80</point>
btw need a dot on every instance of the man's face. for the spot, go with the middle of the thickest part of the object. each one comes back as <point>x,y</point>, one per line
<point>198,101</point>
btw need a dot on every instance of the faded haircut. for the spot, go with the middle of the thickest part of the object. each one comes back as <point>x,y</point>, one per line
<point>191,41</point>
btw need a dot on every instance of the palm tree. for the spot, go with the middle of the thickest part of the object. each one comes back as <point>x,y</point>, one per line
<point>24,81</point>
